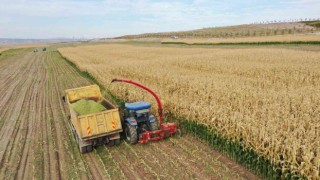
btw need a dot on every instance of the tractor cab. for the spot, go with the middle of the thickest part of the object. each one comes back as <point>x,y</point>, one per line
<point>138,119</point>
<point>140,111</point>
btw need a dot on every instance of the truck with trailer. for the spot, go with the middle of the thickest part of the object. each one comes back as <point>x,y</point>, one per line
<point>98,128</point>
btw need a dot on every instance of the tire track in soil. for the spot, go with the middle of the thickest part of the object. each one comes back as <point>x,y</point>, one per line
<point>17,139</point>
<point>96,172</point>
<point>9,96</point>
<point>43,156</point>
<point>55,168</point>
<point>57,151</point>
<point>94,167</point>
<point>57,69</point>
<point>58,139</point>
<point>24,148</point>
<point>10,71</point>
<point>10,130</point>
<point>23,165</point>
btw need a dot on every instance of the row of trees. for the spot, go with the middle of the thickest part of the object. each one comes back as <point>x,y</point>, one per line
<point>221,34</point>
<point>287,21</point>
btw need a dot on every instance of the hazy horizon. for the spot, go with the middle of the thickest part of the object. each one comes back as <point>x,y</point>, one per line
<point>49,19</point>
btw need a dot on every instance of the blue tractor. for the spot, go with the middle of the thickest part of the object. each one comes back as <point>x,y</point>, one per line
<point>138,119</point>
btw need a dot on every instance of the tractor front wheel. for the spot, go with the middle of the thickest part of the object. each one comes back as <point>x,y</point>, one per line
<point>131,134</point>
<point>154,126</point>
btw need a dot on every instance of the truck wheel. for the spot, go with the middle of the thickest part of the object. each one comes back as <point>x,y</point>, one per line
<point>117,141</point>
<point>131,134</point>
<point>111,143</point>
<point>154,126</point>
<point>83,149</point>
<point>89,148</point>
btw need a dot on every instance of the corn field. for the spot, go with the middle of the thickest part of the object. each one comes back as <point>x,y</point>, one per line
<point>265,98</point>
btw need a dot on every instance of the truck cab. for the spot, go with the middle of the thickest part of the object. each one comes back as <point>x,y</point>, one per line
<point>138,119</point>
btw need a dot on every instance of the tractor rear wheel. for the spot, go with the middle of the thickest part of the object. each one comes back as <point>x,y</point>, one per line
<point>131,134</point>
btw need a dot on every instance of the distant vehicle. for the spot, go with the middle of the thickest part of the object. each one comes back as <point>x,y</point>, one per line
<point>35,50</point>
<point>44,49</point>
<point>174,37</point>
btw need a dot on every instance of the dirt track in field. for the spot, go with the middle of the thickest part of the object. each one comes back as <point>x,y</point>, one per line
<point>37,142</point>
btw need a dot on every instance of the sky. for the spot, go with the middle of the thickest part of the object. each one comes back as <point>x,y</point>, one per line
<point>110,18</point>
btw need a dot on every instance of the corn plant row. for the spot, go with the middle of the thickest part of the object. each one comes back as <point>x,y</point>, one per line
<point>151,171</point>
<point>126,161</point>
<point>208,166</point>
<point>214,160</point>
<point>174,164</point>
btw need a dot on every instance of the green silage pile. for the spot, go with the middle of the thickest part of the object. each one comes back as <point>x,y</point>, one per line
<point>83,107</point>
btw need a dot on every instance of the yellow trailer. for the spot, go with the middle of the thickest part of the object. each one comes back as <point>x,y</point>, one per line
<point>95,128</point>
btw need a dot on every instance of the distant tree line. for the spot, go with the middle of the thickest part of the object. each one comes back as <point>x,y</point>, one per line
<point>265,28</point>
<point>287,21</point>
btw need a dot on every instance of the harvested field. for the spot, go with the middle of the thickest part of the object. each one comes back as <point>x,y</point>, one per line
<point>265,98</point>
<point>37,141</point>
<point>285,38</point>
<point>3,49</point>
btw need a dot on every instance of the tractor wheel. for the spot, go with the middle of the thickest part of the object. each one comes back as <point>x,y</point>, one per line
<point>131,134</point>
<point>154,126</point>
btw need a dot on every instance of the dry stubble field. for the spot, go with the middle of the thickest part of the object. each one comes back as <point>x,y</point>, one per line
<point>37,141</point>
<point>266,98</point>
<point>278,38</point>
